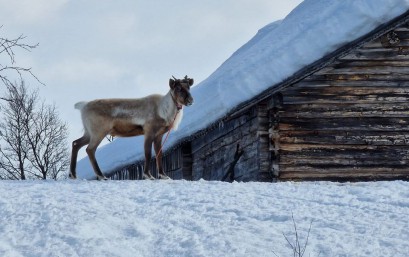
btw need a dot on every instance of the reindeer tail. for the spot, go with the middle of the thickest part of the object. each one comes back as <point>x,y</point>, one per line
<point>80,105</point>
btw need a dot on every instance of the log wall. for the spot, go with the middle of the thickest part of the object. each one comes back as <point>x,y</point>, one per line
<point>213,153</point>
<point>349,120</point>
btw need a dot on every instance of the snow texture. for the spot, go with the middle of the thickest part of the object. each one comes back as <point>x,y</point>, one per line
<point>181,218</point>
<point>312,30</point>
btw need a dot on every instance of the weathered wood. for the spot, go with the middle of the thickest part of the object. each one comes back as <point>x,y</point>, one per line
<point>357,174</point>
<point>392,76</point>
<point>348,123</point>
<point>396,53</point>
<point>224,129</point>
<point>305,137</point>
<point>367,64</point>
<point>335,99</point>
<point>348,83</point>
<point>366,72</point>
<point>341,170</point>
<point>345,164</point>
<point>362,90</point>
<point>339,110</point>
<point>319,147</point>
<point>378,44</point>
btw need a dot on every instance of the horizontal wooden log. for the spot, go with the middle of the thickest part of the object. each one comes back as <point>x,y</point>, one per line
<point>345,138</point>
<point>326,169</point>
<point>368,64</point>
<point>346,83</point>
<point>378,54</point>
<point>339,110</point>
<point>367,173</point>
<point>392,76</point>
<point>378,44</point>
<point>362,90</point>
<point>344,158</point>
<point>360,99</point>
<point>389,51</point>
<point>364,71</point>
<point>341,124</point>
<point>331,162</point>
<point>330,147</point>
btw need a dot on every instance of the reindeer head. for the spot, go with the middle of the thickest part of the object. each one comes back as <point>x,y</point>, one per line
<point>180,90</point>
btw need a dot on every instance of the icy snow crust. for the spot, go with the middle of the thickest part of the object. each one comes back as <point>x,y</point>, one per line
<point>312,30</point>
<point>180,218</point>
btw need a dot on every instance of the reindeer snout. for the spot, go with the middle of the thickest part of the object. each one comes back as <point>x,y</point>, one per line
<point>189,101</point>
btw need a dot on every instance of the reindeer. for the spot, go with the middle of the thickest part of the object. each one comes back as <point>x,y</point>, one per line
<point>151,116</point>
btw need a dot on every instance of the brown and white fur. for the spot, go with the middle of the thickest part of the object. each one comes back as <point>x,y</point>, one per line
<point>151,116</point>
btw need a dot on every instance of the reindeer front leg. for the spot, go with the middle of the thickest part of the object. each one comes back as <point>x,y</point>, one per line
<point>157,143</point>
<point>148,155</point>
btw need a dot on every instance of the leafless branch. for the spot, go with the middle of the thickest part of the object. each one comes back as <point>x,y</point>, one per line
<point>8,48</point>
<point>297,248</point>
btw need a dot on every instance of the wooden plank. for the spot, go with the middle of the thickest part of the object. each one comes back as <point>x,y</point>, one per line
<point>362,173</point>
<point>330,161</point>
<point>359,64</point>
<point>379,157</point>
<point>335,99</point>
<point>327,169</point>
<point>348,90</point>
<point>346,83</point>
<point>365,71</point>
<point>318,148</point>
<point>348,123</point>
<point>345,137</point>
<point>378,54</point>
<point>330,110</point>
<point>392,76</point>
<point>378,44</point>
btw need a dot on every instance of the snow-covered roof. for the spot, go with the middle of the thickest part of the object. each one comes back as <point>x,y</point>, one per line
<point>312,30</point>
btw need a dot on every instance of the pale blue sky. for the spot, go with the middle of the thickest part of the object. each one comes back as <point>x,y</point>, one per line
<point>128,48</point>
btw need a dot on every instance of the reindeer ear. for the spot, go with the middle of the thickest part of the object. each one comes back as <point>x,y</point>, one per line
<point>172,83</point>
<point>191,82</point>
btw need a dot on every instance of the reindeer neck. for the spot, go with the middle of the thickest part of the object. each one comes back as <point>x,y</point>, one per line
<point>167,107</point>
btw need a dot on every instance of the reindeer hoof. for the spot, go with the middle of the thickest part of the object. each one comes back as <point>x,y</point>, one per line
<point>72,176</point>
<point>102,178</point>
<point>163,176</point>
<point>148,177</point>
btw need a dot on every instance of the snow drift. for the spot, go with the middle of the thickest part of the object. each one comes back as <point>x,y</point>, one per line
<point>197,219</point>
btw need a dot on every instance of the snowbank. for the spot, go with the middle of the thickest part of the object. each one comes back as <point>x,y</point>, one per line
<point>312,30</point>
<point>180,218</point>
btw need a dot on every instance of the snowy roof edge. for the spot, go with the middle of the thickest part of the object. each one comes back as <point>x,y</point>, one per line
<point>299,75</point>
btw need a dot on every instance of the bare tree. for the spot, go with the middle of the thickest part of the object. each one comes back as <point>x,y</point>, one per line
<point>32,135</point>
<point>13,133</point>
<point>8,65</point>
<point>47,139</point>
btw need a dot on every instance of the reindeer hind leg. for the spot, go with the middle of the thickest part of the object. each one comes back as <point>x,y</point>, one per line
<point>91,149</point>
<point>76,146</point>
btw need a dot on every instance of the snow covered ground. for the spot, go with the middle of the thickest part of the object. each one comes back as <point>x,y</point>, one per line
<point>181,218</point>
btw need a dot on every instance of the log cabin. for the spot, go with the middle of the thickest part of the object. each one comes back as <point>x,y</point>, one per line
<point>342,117</point>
